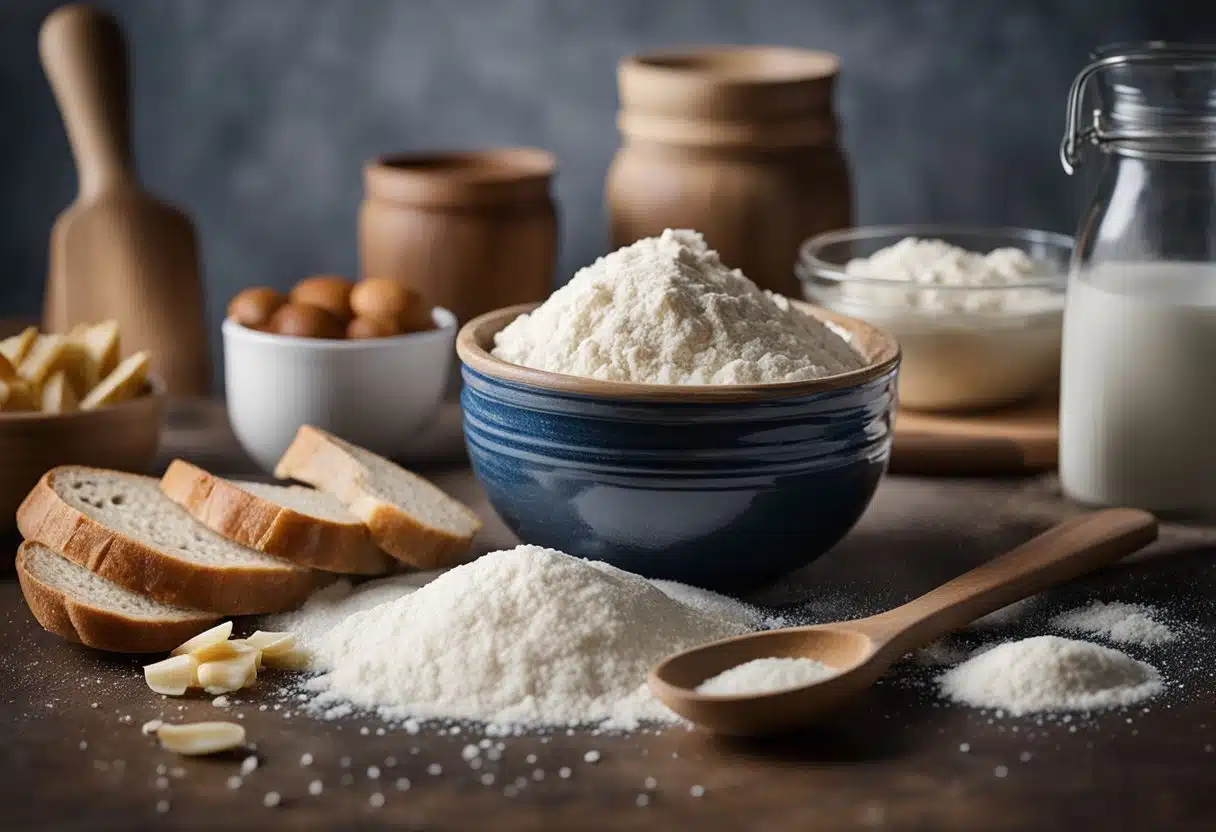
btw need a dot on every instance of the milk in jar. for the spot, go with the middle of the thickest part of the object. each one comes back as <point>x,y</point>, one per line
<point>1138,367</point>
<point>1138,394</point>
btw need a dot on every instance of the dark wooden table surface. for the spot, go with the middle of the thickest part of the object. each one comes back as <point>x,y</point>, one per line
<point>72,755</point>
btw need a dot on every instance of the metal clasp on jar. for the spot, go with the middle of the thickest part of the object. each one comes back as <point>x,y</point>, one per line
<point>1189,136</point>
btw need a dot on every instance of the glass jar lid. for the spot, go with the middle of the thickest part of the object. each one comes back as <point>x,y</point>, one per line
<point>1154,99</point>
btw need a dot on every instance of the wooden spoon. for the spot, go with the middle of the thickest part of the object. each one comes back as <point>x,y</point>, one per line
<point>117,252</point>
<point>864,648</point>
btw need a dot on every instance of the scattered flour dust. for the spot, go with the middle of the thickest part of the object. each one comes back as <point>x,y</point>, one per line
<point>941,653</point>
<point>1048,673</point>
<point>1117,621</point>
<point>666,310</point>
<point>1006,616</point>
<point>766,676</point>
<point>522,638</point>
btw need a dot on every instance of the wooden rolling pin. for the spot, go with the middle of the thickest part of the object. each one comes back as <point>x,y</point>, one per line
<point>117,252</point>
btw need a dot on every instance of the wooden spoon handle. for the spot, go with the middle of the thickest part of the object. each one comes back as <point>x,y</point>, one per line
<point>85,60</point>
<point>1060,554</point>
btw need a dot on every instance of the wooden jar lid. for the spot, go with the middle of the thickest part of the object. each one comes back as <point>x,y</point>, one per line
<point>456,179</point>
<point>729,83</point>
<point>758,96</point>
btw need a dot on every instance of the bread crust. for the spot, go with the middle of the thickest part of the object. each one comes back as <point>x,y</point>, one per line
<point>261,524</point>
<point>315,459</point>
<point>47,518</point>
<point>82,623</point>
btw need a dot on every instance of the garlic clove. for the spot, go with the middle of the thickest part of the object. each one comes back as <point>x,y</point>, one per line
<point>220,632</point>
<point>172,676</point>
<point>198,738</point>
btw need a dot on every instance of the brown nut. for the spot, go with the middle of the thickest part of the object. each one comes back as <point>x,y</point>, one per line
<point>417,318</point>
<point>304,321</point>
<point>328,291</point>
<point>385,298</point>
<point>366,327</point>
<point>254,307</point>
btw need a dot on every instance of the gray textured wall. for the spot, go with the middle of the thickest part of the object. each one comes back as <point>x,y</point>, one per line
<point>256,114</point>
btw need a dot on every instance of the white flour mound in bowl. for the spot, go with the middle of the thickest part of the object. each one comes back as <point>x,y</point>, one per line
<point>665,310</point>
<point>924,265</point>
<point>1048,673</point>
<point>527,637</point>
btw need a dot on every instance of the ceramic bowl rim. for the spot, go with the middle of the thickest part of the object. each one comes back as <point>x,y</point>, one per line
<point>475,336</point>
<point>156,393</point>
<point>445,320</point>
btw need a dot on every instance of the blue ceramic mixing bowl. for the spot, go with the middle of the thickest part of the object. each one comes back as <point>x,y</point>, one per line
<point>722,487</point>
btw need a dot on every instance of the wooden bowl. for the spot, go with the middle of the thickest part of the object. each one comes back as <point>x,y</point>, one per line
<point>124,437</point>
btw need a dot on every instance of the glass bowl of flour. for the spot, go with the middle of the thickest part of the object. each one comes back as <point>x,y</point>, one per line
<point>978,312</point>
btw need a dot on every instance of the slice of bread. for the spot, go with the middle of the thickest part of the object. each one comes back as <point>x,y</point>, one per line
<point>408,517</point>
<point>123,528</point>
<point>72,602</point>
<point>304,526</point>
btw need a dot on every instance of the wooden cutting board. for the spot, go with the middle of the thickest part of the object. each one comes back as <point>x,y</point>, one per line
<point>1013,441</point>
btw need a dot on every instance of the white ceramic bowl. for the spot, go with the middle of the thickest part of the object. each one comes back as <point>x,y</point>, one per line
<point>377,392</point>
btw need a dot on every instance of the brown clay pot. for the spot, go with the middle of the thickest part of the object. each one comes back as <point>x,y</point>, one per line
<point>739,143</point>
<point>471,232</point>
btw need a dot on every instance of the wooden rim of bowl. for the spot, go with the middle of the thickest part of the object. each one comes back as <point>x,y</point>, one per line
<point>476,337</point>
<point>462,178</point>
<point>155,392</point>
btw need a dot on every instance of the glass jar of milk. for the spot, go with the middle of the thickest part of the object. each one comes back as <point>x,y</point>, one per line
<point>1138,376</point>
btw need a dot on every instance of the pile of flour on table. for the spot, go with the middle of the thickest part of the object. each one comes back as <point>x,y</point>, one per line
<point>665,310</point>
<point>1117,621</point>
<point>522,638</point>
<point>1048,673</point>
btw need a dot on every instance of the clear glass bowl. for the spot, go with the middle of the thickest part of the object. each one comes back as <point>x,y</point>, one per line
<point>964,347</point>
